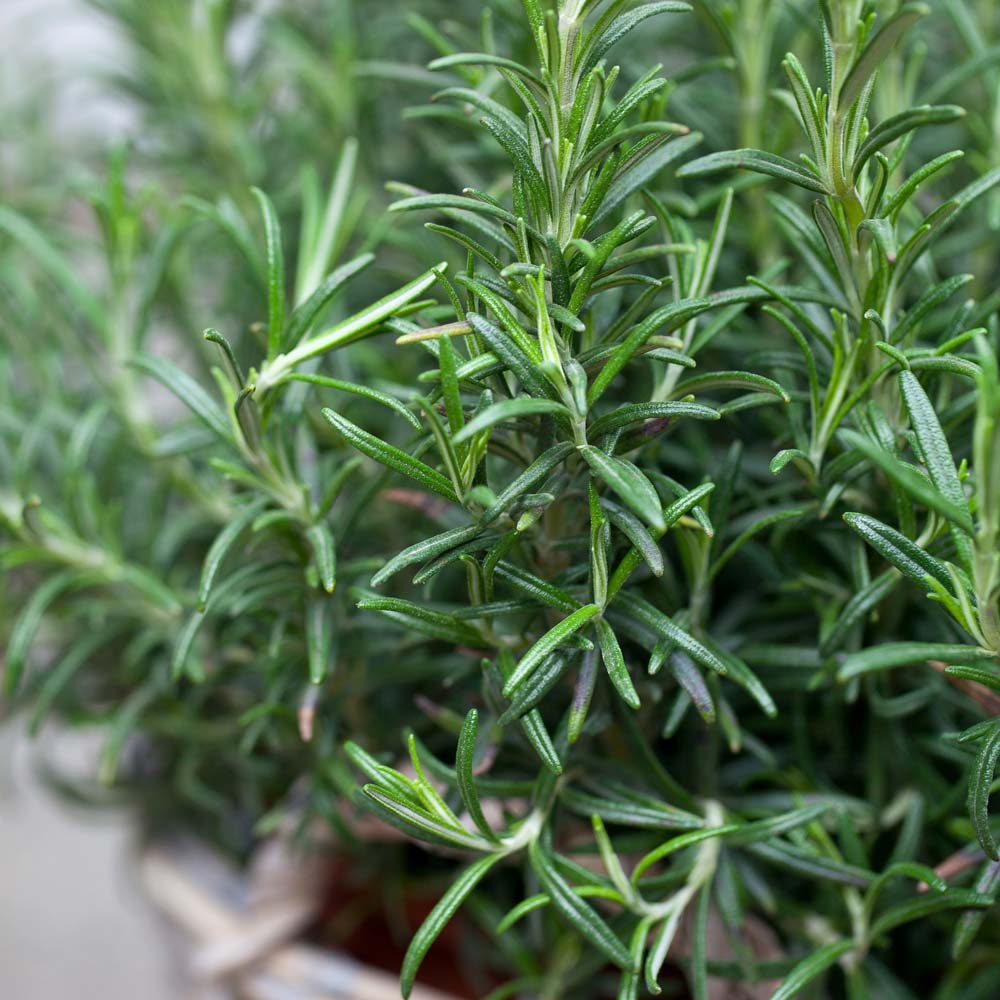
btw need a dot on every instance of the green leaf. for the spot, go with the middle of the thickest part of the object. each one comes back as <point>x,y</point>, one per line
<point>439,916</point>
<point>628,985</point>
<point>532,475</point>
<point>935,450</point>
<point>686,503</point>
<point>366,391</point>
<point>508,131</point>
<point>466,241</point>
<point>189,392</point>
<point>631,808</point>
<point>509,409</point>
<point>644,170</point>
<point>665,628</point>
<point>583,693</point>
<point>318,637</point>
<point>302,319</point>
<point>877,50</point>
<point>429,621</point>
<point>427,548</point>
<point>774,826</point>
<point>536,902</point>
<point>630,485</point>
<point>640,413</point>
<point>785,456</point>
<point>862,603</point>
<point>275,274</point>
<point>759,162</point>
<point>325,227</point>
<point>901,654</point>
<point>538,736</point>
<point>600,537</point>
<point>575,912</point>
<point>980,782</point>
<point>555,637</point>
<point>809,968</point>
<point>26,624</point>
<point>232,366</point>
<point>907,189</point>
<point>464,771</point>
<point>482,59</point>
<point>925,906</point>
<point>220,548</point>
<point>902,869</point>
<point>607,34</point>
<point>359,325</point>
<point>450,386</point>
<point>445,446</point>
<point>614,663</point>
<point>612,863</point>
<point>62,272</point>
<point>531,692</point>
<point>739,672</point>
<point>391,780</point>
<point>911,481</point>
<point>391,457</point>
<point>698,975</point>
<point>898,125</point>
<point>810,864</point>
<point>672,317</point>
<point>637,533</point>
<point>414,820</point>
<point>514,359</point>
<point>687,675</point>
<point>911,560</point>
<point>731,380</point>
<point>324,554</point>
<point>182,648</point>
<point>679,843</point>
<point>988,678</point>
<point>546,593</point>
<point>988,885</point>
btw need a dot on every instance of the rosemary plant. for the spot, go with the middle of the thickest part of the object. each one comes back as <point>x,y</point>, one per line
<point>660,606</point>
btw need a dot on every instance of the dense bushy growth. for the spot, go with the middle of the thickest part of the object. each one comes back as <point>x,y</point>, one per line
<point>648,495</point>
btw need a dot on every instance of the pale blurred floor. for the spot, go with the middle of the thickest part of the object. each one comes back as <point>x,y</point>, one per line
<point>72,922</point>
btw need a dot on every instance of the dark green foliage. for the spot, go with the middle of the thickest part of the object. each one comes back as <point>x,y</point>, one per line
<point>694,576</point>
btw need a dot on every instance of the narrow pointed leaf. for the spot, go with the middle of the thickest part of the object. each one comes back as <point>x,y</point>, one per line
<point>577,913</point>
<point>628,483</point>
<point>509,409</point>
<point>810,968</point>
<point>555,637</point>
<point>614,664</point>
<point>439,916</point>
<point>900,654</point>
<point>980,782</point>
<point>464,770</point>
<point>275,274</point>
<point>757,161</point>
<point>324,555</point>
<point>189,392</point>
<point>220,548</point>
<point>391,457</point>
